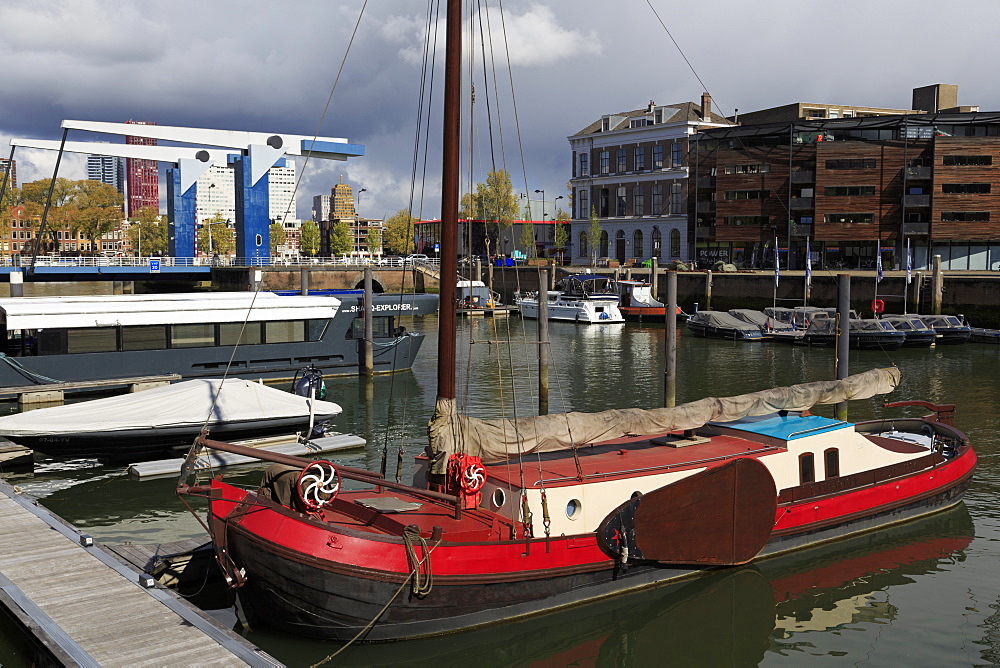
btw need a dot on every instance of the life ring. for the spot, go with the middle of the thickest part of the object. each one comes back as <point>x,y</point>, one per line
<point>318,485</point>
<point>878,306</point>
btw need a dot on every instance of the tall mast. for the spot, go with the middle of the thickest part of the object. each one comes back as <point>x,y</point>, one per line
<point>449,200</point>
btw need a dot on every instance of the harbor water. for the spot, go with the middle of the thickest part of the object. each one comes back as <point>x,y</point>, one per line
<point>922,592</point>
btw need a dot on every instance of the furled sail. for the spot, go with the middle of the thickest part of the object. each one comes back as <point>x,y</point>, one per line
<point>497,440</point>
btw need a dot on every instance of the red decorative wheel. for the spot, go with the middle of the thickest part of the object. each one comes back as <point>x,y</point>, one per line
<point>318,485</point>
<point>473,477</point>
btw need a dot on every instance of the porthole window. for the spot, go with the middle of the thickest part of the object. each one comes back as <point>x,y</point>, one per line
<point>498,498</point>
<point>573,509</point>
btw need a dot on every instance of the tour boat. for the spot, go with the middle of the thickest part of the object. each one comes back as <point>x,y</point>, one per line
<point>585,298</point>
<point>515,517</point>
<point>52,339</point>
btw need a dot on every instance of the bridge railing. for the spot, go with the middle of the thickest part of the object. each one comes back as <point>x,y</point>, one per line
<point>131,261</point>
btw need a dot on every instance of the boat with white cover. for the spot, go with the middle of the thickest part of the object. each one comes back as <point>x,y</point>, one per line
<point>584,298</point>
<point>164,420</point>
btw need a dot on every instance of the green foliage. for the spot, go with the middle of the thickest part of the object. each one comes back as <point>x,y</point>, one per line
<point>560,237</point>
<point>215,236</point>
<point>278,237</point>
<point>341,239</point>
<point>495,200</point>
<point>148,232</point>
<point>594,235</point>
<point>397,235</point>
<point>98,209</point>
<point>309,238</point>
<point>527,239</point>
<point>373,241</point>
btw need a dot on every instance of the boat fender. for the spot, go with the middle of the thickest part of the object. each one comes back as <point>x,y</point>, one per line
<point>318,485</point>
<point>604,315</point>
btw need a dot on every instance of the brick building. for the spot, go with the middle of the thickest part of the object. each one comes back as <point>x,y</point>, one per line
<point>631,168</point>
<point>853,187</point>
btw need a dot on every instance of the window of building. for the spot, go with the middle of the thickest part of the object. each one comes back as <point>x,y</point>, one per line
<point>573,166</point>
<point>605,203</point>
<point>605,160</point>
<point>675,199</point>
<point>748,194</point>
<point>676,155</point>
<point>620,201</point>
<point>967,160</point>
<point>849,191</point>
<point>657,242</point>
<point>638,201</point>
<point>622,160</point>
<point>965,216</point>
<point>584,164</point>
<point>639,158</point>
<point>637,245</point>
<point>966,188</point>
<point>583,194</point>
<point>807,468</point>
<point>747,169</point>
<point>657,200</point>
<point>854,163</point>
<point>657,157</point>
<point>604,243</point>
<point>831,463</point>
<point>675,243</point>
<point>849,217</point>
<point>746,220</point>
<point>583,244</point>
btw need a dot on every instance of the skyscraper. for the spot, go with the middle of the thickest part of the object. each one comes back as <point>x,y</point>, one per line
<point>11,165</point>
<point>107,169</point>
<point>141,177</point>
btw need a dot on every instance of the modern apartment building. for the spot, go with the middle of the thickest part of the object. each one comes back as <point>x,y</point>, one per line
<point>107,169</point>
<point>142,177</point>
<point>630,169</point>
<point>854,188</point>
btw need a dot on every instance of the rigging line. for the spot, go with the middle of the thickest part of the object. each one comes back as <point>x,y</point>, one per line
<point>678,46</point>
<point>326,108</point>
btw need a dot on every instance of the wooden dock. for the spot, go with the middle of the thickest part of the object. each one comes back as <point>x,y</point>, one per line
<point>83,606</point>
<point>55,392</point>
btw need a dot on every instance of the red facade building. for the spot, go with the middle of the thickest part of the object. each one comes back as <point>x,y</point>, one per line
<point>142,179</point>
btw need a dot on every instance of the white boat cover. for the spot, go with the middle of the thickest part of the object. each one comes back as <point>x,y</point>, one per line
<point>186,403</point>
<point>498,440</point>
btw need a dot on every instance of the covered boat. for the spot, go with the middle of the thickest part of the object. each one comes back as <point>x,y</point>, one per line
<point>720,325</point>
<point>918,334</point>
<point>764,322</point>
<point>864,333</point>
<point>164,420</point>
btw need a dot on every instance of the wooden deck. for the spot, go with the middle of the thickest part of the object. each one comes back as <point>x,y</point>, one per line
<point>85,607</point>
<point>54,392</point>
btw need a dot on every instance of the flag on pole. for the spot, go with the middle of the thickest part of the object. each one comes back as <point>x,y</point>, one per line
<point>878,264</point>
<point>909,263</point>
<point>809,264</point>
<point>777,264</point>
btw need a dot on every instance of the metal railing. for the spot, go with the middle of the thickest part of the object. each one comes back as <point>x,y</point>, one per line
<point>101,261</point>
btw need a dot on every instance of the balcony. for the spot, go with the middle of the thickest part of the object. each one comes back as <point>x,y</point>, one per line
<point>916,200</point>
<point>911,229</point>
<point>799,230</point>
<point>704,232</point>
<point>922,172</point>
<point>706,181</point>
<point>706,207</point>
<point>802,202</point>
<point>804,176</point>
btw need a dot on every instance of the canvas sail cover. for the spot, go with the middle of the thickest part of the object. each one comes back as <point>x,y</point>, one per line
<point>498,440</point>
<point>723,320</point>
<point>180,404</point>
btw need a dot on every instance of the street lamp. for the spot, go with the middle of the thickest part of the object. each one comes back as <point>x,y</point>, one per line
<point>358,205</point>
<point>543,201</point>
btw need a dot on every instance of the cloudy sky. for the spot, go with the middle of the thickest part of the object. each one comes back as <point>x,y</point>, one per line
<point>269,66</point>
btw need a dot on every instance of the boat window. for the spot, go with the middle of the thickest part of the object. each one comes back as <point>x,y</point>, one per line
<point>144,337</point>
<point>193,335</point>
<point>91,340</point>
<point>229,333</point>
<point>807,468</point>
<point>316,329</point>
<point>831,462</point>
<point>499,498</point>
<point>381,328</point>
<point>285,331</point>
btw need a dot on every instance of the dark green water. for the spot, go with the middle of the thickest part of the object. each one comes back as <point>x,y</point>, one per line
<point>926,592</point>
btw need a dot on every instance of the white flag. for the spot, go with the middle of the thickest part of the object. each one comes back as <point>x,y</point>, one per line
<point>909,263</point>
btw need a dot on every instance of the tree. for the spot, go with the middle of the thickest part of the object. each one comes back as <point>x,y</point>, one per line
<point>594,233</point>
<point>528,237</point>
<point>373,241</point>
<point>495,200</point>
<point>397,236</point>
<point>215,236</point>
<point>341,238</point>
<point>560,237</point>
<point>98,209</point>
<point>309,238</point>
<point>148,232</point>
<point>278,237</point>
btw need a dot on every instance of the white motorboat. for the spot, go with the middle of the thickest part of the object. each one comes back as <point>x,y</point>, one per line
<point>584,299</point>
